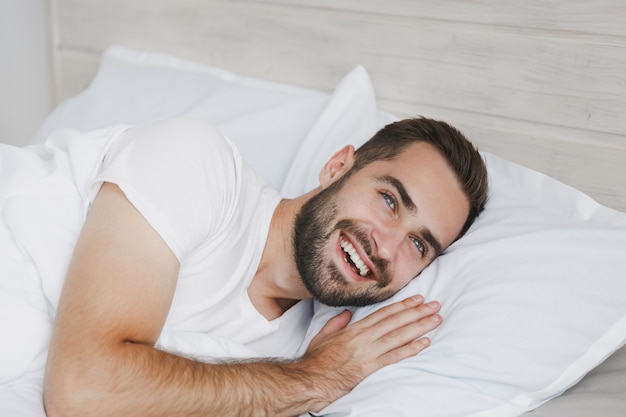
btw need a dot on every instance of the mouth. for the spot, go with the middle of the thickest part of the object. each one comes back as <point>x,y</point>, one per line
<point>353,258</point>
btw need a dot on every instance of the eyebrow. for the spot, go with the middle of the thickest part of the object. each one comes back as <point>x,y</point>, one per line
<point>411,207</point>
<point>428,236</point>
<point>407,202</point>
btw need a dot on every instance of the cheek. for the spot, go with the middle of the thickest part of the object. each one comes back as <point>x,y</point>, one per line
<point>404,272</point>
<point>407,267</point>
<point>368,209</point>
<point>361,210</point>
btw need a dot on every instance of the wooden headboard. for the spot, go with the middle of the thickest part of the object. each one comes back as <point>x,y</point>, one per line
<point>540,82</point>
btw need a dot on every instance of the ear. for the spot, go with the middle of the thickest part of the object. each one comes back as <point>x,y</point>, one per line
<point>337,165</point>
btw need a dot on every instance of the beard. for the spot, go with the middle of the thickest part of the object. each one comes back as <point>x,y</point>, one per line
<point>314,225</point>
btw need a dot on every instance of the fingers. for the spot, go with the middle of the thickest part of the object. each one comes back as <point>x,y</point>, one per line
<point>406,325</point>
<point>396,331</point>
<point>391,309</point>
<point>388,328</point>
<point>401,313</point>
<point>406,340</point>
<point>388,335</point>
<point>341,355</point>
<point>403,352</point>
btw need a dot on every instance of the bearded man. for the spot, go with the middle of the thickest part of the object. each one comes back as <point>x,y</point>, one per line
<point>181,235</point>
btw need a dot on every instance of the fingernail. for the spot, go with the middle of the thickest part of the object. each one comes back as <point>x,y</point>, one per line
<point>433,304</point>
<point>418,299</point>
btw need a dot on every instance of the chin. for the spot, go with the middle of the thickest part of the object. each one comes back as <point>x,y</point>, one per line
<point>357,297</point>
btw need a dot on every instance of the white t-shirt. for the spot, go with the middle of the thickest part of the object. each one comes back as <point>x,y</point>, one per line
<point>194,189</point>
<point>214,213</point>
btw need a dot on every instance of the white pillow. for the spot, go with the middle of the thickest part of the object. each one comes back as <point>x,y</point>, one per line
<point>533,297</point>
<point>266,120</point>
<point>350,118</point>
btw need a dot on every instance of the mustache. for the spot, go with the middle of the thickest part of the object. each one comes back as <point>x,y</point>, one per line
<point>380,265</point>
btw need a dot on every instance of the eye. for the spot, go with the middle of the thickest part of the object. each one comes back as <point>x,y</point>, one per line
<point>389,200</point>
<point>419,244</point>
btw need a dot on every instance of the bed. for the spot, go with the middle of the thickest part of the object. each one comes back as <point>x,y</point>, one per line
<point>534,297</point>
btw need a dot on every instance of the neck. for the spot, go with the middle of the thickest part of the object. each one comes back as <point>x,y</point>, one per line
<point>277,286</point>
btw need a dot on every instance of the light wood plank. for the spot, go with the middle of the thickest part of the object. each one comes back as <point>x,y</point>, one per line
<point>598,17</point>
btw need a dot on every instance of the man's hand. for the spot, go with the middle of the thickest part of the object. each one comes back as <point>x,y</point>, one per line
<point>342,355</point>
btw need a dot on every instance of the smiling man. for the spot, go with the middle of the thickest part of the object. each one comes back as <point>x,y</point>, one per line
<point>377,236</point>
<point>183,236</point>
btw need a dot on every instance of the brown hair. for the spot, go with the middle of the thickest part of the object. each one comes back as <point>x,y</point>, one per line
<point>461,155</point>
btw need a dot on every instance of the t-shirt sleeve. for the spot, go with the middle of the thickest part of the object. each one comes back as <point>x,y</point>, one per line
<point>181,175</point>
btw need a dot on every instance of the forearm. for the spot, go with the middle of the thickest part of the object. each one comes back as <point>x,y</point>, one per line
<point>140,380</point>
<point>134,379</point>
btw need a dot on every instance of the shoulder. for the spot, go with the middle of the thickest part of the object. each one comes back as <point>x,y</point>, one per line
<point>179,135</point>
<point>175,146</point>
<point>182,175</point>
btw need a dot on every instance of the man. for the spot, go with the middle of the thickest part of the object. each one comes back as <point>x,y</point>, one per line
<point>182,236</point>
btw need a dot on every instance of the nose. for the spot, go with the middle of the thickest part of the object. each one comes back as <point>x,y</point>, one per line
<point>387,240</point>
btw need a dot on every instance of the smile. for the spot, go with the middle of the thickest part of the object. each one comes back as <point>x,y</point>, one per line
<point>353,257</point>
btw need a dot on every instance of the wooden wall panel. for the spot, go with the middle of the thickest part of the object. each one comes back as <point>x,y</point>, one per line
<point>579,16</point>
<point>541,82</point>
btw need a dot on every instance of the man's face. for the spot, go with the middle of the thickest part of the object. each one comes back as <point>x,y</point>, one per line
<point>362,239</point>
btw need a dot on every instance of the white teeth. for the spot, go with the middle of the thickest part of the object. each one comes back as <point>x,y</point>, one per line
<point>354,257</point>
